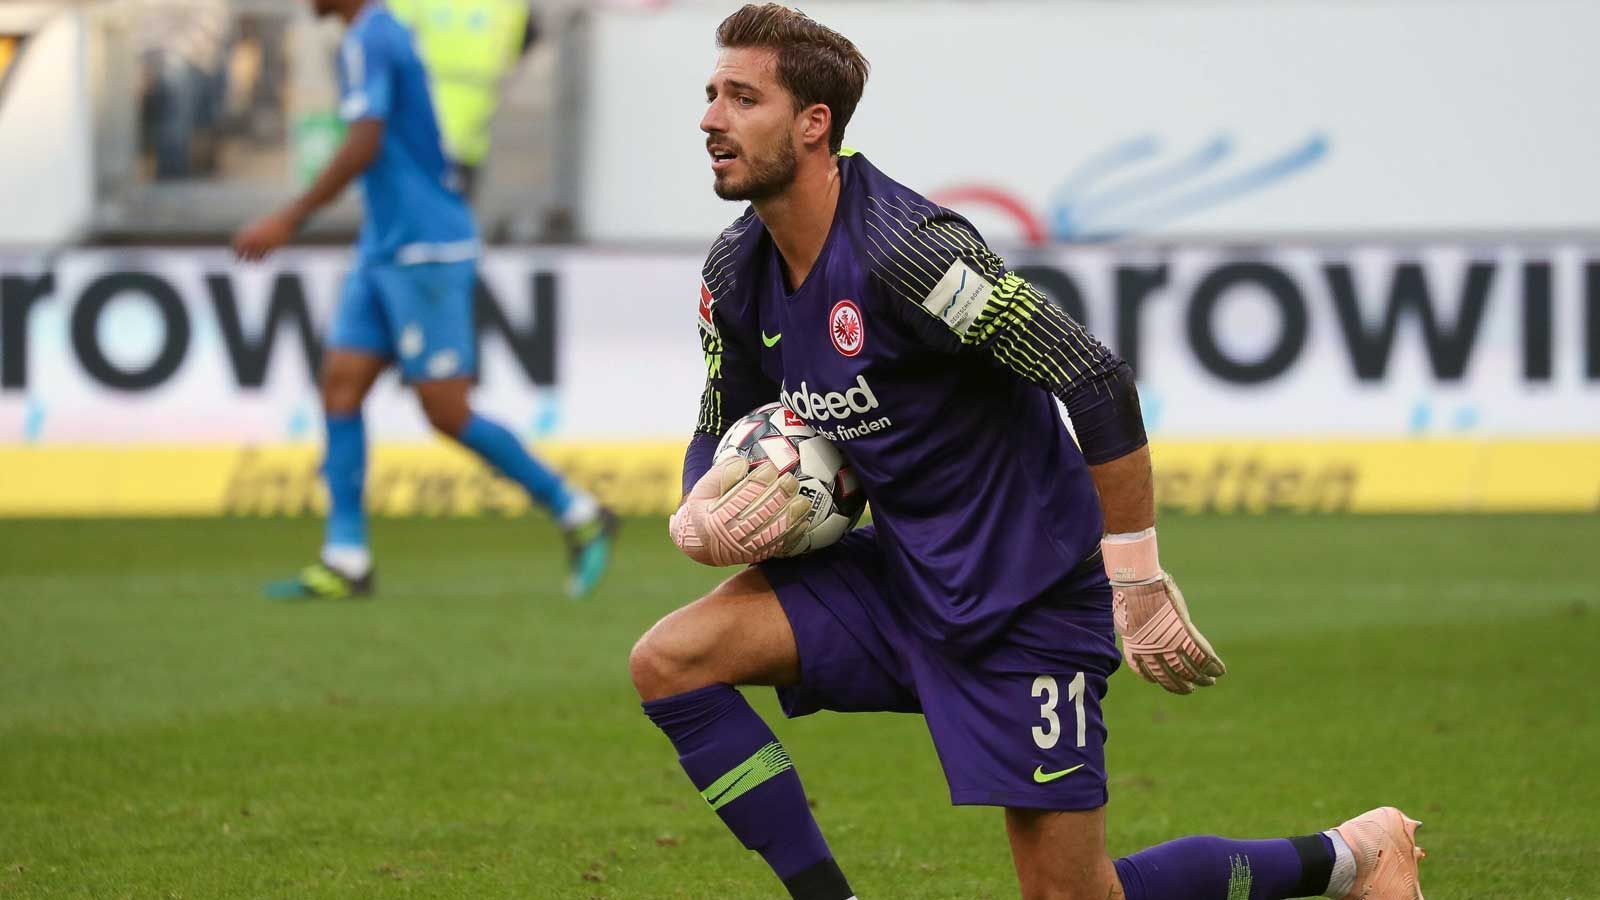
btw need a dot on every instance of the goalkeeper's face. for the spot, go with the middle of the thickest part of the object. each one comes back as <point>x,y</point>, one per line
<point>751,126</point>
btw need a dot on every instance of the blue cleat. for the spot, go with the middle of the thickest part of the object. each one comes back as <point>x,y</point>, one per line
<point>589,549</point>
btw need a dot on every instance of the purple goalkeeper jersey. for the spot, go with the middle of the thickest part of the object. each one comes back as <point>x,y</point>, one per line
<point>932,367</point>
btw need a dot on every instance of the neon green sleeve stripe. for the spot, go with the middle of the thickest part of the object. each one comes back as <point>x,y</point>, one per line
<point>735,382</point>
<point>765,763</point>
<point>1036,339</point>
<point>914,246</point>
<point>1239,878</point>
<point>710,420</point>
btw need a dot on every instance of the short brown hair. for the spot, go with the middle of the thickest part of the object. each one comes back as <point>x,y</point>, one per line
<point>815,63</point>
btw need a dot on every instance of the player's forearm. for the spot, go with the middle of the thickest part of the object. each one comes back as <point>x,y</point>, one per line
<point>1127,491</point>
<point>1110,428</point>
<point>359,149</point>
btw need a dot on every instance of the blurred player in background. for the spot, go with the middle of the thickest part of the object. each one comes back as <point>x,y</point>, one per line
<point>980,596</point>
<point>409,301</point>
<point>468,46</point>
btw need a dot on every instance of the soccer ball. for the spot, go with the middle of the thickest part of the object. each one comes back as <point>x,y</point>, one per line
<point>774,433</point>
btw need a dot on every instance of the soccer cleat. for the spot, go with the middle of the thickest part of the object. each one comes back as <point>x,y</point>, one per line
<point>1384,843</point>
<point>589,550</point>
<point>319,581</point>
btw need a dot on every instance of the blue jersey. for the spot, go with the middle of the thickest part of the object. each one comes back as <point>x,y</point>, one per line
<point>932,366</point>
<point>413,214</point>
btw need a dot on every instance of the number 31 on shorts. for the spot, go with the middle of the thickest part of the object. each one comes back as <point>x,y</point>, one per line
<point>1045,686</point>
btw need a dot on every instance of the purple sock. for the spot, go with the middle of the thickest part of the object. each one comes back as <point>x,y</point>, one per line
<point>746,776</point>
<point>1211,868</point>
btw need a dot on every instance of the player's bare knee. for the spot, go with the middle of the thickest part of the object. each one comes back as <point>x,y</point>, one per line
<point>340,395</point>
<point>683,651</point>
<point>667,661</point>
<point>646,667</point>
<point>449,419</point>
<point>446,405</point>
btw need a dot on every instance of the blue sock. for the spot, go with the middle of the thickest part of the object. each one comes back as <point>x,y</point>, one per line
<point>344,468</point>
<point>1211,868</point>
<point>746,776</point>
<point>501,449</point>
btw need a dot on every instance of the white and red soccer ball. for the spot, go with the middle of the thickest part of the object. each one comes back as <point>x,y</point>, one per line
<point>775,433</point>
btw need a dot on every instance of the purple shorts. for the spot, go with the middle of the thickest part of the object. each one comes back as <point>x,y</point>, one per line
<point>1016,724</point>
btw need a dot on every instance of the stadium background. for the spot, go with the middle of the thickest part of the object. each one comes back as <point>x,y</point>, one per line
<point>1352,249</point>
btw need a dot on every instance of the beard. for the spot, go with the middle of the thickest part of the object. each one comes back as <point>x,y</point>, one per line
<point>767,177</point>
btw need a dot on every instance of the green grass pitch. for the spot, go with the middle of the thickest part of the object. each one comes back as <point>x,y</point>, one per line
<point>164,732</point>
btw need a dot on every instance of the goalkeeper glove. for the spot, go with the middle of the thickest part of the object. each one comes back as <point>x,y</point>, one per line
<point>738,514</point>
<point>1159,642</point>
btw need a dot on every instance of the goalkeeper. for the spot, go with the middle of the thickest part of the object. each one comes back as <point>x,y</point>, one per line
<point>980,597</point>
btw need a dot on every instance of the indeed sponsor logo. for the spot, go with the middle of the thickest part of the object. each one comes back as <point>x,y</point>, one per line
<point>817,409</point>
<point>822,407</point>
<point>851,432</point>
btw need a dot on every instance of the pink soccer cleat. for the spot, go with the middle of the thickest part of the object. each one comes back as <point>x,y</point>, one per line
<point>1384,842</point>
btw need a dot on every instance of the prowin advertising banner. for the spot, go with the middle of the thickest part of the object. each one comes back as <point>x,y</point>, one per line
<point>1312,377</point>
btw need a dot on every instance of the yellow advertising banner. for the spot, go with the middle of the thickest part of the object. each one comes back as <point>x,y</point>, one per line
<point>643,478</point>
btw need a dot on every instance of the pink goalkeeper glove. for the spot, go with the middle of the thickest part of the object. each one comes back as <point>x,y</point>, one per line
<point>735,514</point>
<point>1159,642</point>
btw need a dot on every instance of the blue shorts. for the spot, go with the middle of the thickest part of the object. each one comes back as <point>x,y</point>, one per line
<point>1016,724</point>
<point>419,316</point>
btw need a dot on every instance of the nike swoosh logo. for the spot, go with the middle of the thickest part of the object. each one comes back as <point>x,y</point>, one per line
<point>771,341</point>
<point>713,800</point>
<point>1042,777</point>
